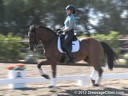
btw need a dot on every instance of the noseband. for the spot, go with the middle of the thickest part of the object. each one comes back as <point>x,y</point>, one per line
<point>35,36</point>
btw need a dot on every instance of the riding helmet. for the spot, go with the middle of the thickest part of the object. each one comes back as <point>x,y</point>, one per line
<point>71,7</point>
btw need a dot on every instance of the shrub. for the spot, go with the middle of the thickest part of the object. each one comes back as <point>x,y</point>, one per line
<point>10,48</point>
<point>111,38</point>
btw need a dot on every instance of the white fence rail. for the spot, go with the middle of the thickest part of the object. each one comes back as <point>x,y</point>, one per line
<point>61,78</point>
<point>81,79</point>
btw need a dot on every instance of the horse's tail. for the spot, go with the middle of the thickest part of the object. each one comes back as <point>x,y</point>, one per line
<point>111,56</point>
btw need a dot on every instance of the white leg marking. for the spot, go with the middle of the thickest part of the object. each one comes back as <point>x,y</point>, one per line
<point>98,80</point>
<point>94,74</point>
<point>53,82</point>
<point>42,72</point>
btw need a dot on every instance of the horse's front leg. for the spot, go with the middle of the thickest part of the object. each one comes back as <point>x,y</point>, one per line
<point>53,79</point>
<point>42,72</point>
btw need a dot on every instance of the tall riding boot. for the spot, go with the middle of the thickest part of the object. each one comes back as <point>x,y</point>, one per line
<point>71,58</point>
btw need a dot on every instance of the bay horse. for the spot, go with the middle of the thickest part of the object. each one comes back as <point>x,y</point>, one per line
<point>91,51</point>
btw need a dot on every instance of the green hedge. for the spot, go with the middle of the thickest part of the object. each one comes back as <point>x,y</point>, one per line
<point>111,38</point>
<point>10,48</point>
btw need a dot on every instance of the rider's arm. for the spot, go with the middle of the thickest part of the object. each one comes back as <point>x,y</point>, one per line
<point>70,26</point>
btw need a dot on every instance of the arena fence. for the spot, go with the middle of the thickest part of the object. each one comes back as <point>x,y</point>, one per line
<point>17,79</point>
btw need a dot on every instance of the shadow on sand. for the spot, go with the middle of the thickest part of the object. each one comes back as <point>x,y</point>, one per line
<point>106,91</point>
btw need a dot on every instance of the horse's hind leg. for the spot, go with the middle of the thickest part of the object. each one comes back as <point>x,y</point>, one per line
<point>96,76</point>
<point>97,71</point>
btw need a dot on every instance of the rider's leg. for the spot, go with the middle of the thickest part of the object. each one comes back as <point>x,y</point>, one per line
<point>66,43</point>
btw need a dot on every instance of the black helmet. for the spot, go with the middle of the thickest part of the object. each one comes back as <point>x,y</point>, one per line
<point>71,7</point>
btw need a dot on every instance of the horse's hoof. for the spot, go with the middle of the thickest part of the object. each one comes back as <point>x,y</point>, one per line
<point>93,82</point>
<point>96,85</point>
<point>52,86</point>
<point>45,76</point>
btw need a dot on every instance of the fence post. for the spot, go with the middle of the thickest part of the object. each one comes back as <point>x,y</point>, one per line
<point>83,80</point>
<point>17,74</point>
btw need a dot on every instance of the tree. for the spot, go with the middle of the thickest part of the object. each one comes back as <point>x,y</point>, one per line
<point>2,11</point>
<point>109,12</point>
<point>17,15</point>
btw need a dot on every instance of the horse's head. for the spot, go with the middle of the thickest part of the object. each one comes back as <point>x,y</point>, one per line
<point>33,38</point>
<point>40,33</point>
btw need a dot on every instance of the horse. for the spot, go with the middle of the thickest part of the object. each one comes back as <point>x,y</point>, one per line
<point>91,51</point>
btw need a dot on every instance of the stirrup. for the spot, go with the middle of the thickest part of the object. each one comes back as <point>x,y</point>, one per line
<point>71,61</point>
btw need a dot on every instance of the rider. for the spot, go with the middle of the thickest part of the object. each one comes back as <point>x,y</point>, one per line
<point>70,24</point>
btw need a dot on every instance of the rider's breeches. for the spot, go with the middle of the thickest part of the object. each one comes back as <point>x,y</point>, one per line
<point>68,39</point>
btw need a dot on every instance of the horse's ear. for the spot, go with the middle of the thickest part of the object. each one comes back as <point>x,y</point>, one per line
<point>32,28</point>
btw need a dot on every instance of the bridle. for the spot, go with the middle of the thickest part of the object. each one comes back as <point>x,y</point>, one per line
<point>35,42</point>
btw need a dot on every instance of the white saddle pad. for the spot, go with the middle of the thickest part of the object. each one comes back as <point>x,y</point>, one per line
<point>75,46</point>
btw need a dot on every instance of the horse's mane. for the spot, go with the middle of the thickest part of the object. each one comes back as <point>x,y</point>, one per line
<point>32,28</point>
<point>48,29</point>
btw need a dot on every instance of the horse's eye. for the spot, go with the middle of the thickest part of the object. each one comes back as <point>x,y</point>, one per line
<point>31,34</point>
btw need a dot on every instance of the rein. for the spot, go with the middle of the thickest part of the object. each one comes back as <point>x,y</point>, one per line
<point>50,39</point>
<point>35,35</point>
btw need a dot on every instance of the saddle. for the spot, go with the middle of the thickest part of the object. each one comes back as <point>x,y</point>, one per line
<point>74,45</point>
